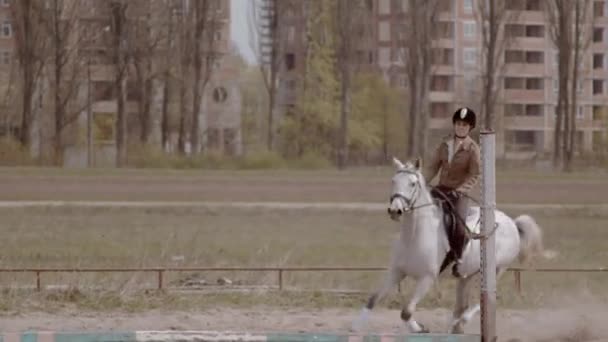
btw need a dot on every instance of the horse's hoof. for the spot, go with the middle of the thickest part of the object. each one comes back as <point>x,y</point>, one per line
<point>423,329</point>
<point>457,330</point>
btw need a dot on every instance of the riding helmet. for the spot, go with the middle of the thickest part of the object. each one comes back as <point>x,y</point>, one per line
<point>465,114</point>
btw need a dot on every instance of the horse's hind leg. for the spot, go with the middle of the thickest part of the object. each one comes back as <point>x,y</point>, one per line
<point>393,277</point>
<point>462,314</point>
<point>462,303</point>
<point>422,287</point>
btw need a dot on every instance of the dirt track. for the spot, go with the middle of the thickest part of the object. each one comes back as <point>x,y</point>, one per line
<point>575,324</point>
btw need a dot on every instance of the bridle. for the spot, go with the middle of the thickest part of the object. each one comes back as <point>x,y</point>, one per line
<point>410,203</point>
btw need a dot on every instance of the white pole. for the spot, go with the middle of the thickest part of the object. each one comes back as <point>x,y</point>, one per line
<point>488,254</point>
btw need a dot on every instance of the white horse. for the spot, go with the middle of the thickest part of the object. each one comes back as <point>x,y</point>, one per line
<point>423,245</point>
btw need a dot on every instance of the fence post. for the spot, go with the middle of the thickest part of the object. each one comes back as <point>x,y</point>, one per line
<point>160,279</point>
<point>517,274</point>
<point>280,279</point>
<point>38,285</point>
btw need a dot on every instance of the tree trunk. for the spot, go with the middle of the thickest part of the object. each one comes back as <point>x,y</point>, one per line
<point>167,87</point>
<point>201,10</point>
<point>490,62</point>
<point>181,140</point>
<point>119,18</point>
<point>164,122</point>
<point>345,107</point>
<point>271,105</point>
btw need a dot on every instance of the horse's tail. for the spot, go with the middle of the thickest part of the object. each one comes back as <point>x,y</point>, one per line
<point>531,238</point>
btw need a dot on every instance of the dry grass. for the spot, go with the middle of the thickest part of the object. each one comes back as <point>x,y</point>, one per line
<point>64,237</point>
<point>361,185</point>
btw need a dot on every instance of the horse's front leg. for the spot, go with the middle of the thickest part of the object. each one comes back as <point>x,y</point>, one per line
<point>422,287</point>
<point>393,277</point>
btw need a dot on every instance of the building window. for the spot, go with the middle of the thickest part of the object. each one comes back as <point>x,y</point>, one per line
<point>384,56</point>
<point>217,35</point>
<point>468,6</point>
<point>469,56</point>
<point>535,31</point>
<point>514,83</point>
<point>7,29</point>
<point>535,57</point>
<point>580,112</point>
<point>6,57</point>
<point>290,61</point>
<point>384,7</point>
<point>598,9</point>
<point>555,86</point>
<point>598,87</point>
<point>514,109</point>
<point>534,83</point>
<point>440,109</point>
<point>534,110</point>
<point>598,61</point>
<point>598,34</point>
<point>384,31</point>
<point>470,29</point>
<point>514,56</point>
<point>441,83</point>
<point>220,94</point>
<point>533,5</point>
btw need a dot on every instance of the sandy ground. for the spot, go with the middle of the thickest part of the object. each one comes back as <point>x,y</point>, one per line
<point>578,323</point>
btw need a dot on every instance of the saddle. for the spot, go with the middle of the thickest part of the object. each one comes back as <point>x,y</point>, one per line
<point>447,207</point>
<point>447,204</point>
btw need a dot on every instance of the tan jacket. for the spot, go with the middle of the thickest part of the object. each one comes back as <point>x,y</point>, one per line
<point>460,172</point>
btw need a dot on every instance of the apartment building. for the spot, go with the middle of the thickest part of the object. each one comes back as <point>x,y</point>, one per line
<point>292,21</point>
<point>527,81</point>
<point>7,47</point>
<point>220,114</point>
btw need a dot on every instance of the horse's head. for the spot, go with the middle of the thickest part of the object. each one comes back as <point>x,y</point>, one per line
<point>408,183</point>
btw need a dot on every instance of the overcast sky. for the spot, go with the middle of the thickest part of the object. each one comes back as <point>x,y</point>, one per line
<point>239,28</point>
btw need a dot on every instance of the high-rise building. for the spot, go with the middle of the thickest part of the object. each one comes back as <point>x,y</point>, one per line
<point>526,80</point>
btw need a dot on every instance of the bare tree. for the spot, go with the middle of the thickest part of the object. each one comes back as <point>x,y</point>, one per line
<point>558,13</point>
<point>267,43</point>
<point>66,65</point>
<point>415,36</point>
<point>30,47</point>
<point>492,15</point>
<point>349,25</point>
<point>581,40</point>
<point>205,22</point>
<point>566,19</point>
<point>118,10</point>
<point>145,43</point>
<point>184,51</point>
<point>168,46</point>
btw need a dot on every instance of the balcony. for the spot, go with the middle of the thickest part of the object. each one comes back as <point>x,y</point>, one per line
<point>524,122</point>
<point>526,69</point>
<point>524,95</point>
<point>441,96</point>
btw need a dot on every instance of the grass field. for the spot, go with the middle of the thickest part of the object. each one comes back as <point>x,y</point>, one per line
<point>357,185</point>
<point>96,237</point>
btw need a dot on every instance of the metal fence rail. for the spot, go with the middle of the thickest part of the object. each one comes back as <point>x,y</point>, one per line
<point>280,271</point>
